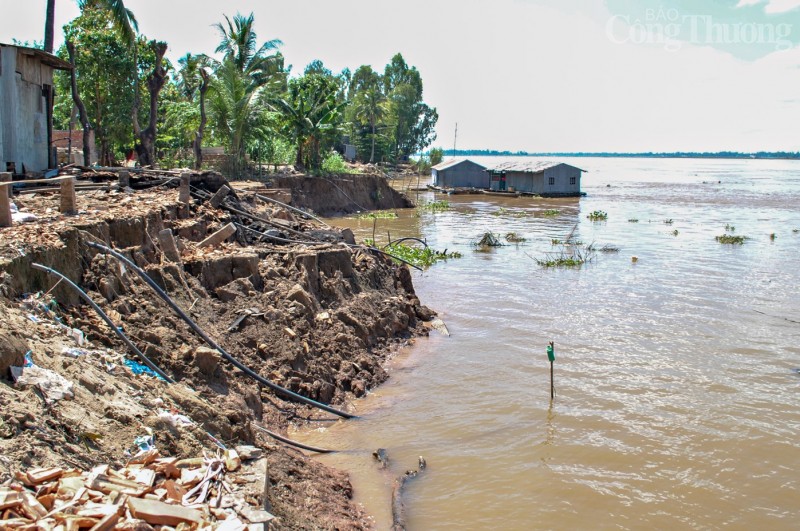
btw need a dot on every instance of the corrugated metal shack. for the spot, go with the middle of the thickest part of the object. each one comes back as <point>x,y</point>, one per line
<point>26,81</point>
<point>459,173</point>
<point>540,177</point>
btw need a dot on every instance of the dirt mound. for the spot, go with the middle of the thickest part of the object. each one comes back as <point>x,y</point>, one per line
<point>292,301</point>
<point>341,194</point>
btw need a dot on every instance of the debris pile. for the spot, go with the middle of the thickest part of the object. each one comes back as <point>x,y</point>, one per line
<point>149,491</point>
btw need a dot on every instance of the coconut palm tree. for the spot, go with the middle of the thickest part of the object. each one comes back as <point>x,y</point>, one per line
<point>122,18</point>
<point>239,45</point>
<point>370,106</point>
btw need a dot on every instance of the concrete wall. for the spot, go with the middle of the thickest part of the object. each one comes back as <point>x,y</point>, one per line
<point>466,174</point>
<point>24,110</point>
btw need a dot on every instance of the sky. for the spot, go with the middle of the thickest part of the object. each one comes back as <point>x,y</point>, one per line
<point>533,75</point>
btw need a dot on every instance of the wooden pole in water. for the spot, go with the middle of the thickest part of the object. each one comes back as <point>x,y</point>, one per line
<point>551,356</point>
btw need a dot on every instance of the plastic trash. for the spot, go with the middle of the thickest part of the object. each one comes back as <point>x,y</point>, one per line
<point>51,384</point>
<point>176,419</point>
<point>74,352</point>
<point>138,368</point>
<point>28,359</point>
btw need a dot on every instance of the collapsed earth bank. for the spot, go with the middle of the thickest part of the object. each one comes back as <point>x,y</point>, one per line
<point>299,303</point>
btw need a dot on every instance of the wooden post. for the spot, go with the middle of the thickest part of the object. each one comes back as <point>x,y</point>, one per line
<point>124,179</point>
<point>5,202</point>
<point>220,236</point>
<point>169,249</point>
<point>7,177</point>
<point>183,192</point>
<point>68,203</point>
<point>551,356</point>
<point>219,197</point>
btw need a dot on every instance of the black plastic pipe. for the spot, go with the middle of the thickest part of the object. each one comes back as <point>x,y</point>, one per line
<point>199,331</point>
<point>296,444</point>
<point>105,318</point>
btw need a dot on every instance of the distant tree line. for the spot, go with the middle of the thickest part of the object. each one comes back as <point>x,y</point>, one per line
<point>647,154</point>
<point>244,99</point>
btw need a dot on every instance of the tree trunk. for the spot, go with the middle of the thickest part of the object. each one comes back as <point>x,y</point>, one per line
<point>82,114</point>
<point>198,137</point>
<point>146,148</point>
<point>372,154</point>
<point>49,23</point>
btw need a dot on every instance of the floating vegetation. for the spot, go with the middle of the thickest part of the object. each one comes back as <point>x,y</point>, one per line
<point>669,221</point>
<point>795,230</point>
<point>556,241</point>
<point>729,228</point>
<point>434,206</point>
<point>772,237</point>
<point>551,213</point>
<point>574,258</point>
<point>731,239</point>
<point>385,214</point>
<point>488,241</point>
<point>513,237</point>
<point>633,220</point>
<point>420,257</point>
<point>598,215</point>
<point>607,248</point>
<point>675,232</point>
<point>502,211</point>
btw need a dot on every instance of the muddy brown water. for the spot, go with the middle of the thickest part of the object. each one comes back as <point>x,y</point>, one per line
<point>677,396</point>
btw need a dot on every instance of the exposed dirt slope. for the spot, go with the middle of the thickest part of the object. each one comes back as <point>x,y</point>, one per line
<point>320,319</point>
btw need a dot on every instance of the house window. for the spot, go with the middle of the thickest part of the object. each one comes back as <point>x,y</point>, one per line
<point>572,180</point>
<point>551,181</point>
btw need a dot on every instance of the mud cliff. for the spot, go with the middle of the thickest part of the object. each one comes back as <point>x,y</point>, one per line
<point>299,303</point>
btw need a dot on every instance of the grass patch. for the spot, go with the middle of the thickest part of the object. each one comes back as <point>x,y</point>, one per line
<point>565,259</point>
<point>551,213</point>
<point>729,228</point>
<point>420,257</point>
<point>513,237</point>
<point>598,215</point>
<point>730,239</point>
<point>385,214</point>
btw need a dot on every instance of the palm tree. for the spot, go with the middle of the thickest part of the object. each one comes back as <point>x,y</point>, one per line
<point>370,105</point>
<point>122,18</point>
<point>239,43</point>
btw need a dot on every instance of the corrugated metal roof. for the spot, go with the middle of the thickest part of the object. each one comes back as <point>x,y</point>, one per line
<point>46,58</point>
<point>454,162</point>
<point>529,165</point>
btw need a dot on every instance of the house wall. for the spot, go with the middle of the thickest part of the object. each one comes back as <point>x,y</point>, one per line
<point>24,110</point>
<point>466,174</point>
<point>561,175</point>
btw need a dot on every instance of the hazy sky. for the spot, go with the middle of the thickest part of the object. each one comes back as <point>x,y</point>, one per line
<point>536,75</point>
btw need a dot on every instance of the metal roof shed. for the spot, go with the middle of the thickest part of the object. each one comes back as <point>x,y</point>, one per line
<point>539,177</point>
<point>459,173</point>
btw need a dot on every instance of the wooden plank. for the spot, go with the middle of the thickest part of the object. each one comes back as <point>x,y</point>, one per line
<point>159,513</point>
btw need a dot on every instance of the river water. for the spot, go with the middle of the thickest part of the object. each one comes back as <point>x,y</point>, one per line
<point>677,399</point>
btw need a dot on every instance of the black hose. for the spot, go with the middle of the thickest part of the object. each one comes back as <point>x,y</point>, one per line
<point>105,318</point>
<point>289,207</point>
<point>199,331</point>
<point>423,242</point>
<point>294,443</point>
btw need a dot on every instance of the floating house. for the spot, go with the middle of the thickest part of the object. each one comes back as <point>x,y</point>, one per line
<point>539,177</point>
<point>459,173</point>
<point>26,81</point>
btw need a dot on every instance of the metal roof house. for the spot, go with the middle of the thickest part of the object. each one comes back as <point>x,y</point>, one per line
<point>539,177</point>
<point>459,173</point>
<point>26,81</point>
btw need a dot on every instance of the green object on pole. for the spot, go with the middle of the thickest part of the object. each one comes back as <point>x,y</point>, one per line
<point>551,354</point>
